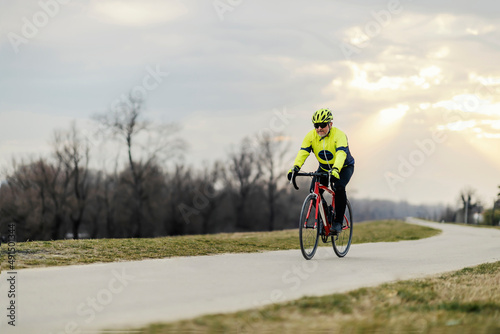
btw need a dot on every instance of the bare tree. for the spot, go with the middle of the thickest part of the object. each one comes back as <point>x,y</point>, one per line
<point>38,198</point>
<point>146,145</point>
<point>108,193</point>
<point>271,153</point>
<point>55,180</point>
<point>177,194</point>
<point>72,152</point>
<point>95,203</point>
<point>208,194</point>
<point>244,174</point>
<point>105,198</point>
<point>469,205</point>
<point>125,124</point>
<point>23,203</point>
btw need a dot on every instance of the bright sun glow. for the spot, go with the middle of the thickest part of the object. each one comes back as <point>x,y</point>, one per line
<point>391,115</point>
<point>470,103</point>
<point>361,80</point>
<point>458,126</point>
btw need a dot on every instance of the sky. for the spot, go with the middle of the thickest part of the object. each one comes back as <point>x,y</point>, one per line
<point>414,84</point>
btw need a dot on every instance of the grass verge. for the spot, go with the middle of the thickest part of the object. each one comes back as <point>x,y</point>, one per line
<point>70,252</point>
<point>466,301</point>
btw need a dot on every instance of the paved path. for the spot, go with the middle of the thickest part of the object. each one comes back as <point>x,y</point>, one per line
<point>113,296</point>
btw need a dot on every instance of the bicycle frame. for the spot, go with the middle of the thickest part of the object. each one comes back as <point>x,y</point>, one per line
<point>319,208</point>
<point>319,205</point>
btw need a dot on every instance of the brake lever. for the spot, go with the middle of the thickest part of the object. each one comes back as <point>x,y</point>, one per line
<point>293,180</point>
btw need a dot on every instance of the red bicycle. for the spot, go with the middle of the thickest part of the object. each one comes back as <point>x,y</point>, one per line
<point>315,222</point>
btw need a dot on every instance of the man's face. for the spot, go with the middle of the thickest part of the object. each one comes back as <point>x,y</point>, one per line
<point>322,128</point>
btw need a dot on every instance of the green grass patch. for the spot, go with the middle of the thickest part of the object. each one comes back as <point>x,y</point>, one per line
<point>70,252</point>
<point>467,301</point>
<point>390,231</point>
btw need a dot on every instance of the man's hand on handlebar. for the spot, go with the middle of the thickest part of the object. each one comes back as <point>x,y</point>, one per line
<point>293,170</point>
<point>335,173</point>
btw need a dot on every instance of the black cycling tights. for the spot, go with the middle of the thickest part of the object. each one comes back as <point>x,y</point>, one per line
<point>340,203</point>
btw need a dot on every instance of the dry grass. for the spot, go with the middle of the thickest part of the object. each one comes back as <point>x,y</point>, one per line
<point>467,301</point>
<point>69,252</point>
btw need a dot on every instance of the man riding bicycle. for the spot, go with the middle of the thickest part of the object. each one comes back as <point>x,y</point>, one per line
<point>331,149</point>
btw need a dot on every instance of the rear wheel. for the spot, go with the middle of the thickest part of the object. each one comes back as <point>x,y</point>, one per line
<point>342,241</point>
<point>308,228</point>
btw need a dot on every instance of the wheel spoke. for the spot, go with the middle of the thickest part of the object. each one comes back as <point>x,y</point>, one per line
<point>308,228</point>
<point>342,241</point>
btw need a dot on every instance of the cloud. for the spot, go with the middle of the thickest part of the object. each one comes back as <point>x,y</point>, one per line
<point>136,12</point>
<point>487,9</point>
<point>426,77</point>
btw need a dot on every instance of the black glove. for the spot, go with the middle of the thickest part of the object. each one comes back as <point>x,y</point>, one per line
<point>291,171</point>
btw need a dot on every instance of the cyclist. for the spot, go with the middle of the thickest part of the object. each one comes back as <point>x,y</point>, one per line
<point>329,145</point>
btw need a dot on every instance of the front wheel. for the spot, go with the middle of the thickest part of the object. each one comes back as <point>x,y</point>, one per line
<point>308,227</point>
<point>342,241</point>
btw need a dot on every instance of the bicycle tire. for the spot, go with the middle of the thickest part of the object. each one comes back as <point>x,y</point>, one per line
<point>342,241</point>
<point>308,228</point>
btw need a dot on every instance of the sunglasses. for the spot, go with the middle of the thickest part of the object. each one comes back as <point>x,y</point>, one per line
<point>322,125</point>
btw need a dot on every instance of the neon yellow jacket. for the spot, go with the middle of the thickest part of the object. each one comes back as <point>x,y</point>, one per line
<point>331,150</point>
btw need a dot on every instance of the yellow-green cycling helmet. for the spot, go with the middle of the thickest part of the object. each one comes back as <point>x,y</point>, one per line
<point>322,116</point>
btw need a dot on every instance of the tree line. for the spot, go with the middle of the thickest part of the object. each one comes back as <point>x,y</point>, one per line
<point>149,193</point>
<point>152,192</point>
<point>471,210</point>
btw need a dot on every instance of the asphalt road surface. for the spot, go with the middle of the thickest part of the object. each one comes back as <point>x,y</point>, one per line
<point>89,298</point>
